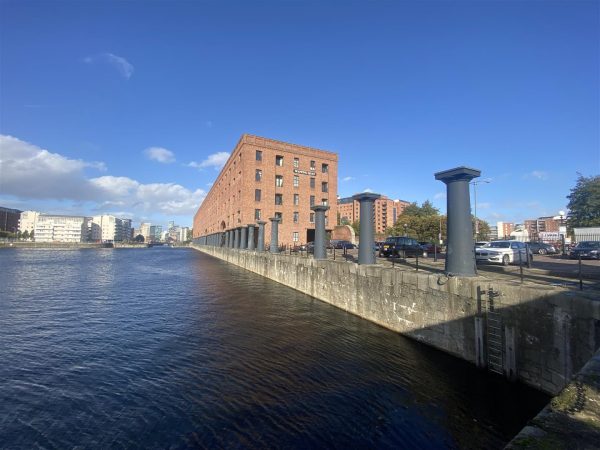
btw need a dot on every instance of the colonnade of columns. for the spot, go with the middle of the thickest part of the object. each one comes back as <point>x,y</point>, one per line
<point>460,258</point>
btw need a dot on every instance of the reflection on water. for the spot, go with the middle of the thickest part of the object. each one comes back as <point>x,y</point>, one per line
<point>157,348</point>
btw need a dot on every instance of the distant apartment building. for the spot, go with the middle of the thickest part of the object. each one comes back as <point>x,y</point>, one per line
<point>504,229</point>
<point>108,228</point>
<point>265,178</point>
<point>144,230</point>
<point>155,233</point>
<point>9,219</point>
<point>386,211</point>
<point>59,228</point>
<point>493,232</point>
<point>542,225</point>
<point>28,221</point>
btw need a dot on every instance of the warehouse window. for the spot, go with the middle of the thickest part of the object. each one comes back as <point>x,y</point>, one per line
<point>279,199</point>
<point>324,186</point>
<point>296,181</point>
<point>312,183</point>
<point>257,193</point>
<point>278,181</point>
<point>258,176</point>
<point>278,160</point>
<point>325,168</point>
<point>296,199</point>
<point>296,216</point>
<point>296,163</point>
<point>257,214</point>
<point>258,155</point>
<point>312,200</point>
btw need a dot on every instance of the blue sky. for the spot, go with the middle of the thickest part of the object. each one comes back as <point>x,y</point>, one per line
<point>129,107</point>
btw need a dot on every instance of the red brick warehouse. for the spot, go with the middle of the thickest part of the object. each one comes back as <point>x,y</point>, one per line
<point>265,178</point>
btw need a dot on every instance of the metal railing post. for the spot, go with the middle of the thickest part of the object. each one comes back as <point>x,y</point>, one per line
<point>580,274</point>
<point>521,265</point>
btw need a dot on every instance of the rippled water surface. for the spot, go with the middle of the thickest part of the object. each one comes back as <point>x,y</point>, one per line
<point>170,348</point>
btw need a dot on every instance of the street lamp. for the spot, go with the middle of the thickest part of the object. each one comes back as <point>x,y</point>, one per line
<point>405,227</point>
<point>475,183</point>
<point>562,230</point>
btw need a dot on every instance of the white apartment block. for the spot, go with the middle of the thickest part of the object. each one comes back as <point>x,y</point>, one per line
<point>53,228</point>
<point>107,228</point>
<point>28,221</point>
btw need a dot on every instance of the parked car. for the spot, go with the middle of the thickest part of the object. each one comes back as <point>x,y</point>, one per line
<point>400,246</point>
<point>428,247</point>
<point>541,248</point>
<point>503,252</point>
<point>342,244</point>
<point>586,249</point>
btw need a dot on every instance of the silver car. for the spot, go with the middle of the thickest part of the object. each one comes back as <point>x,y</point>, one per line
<point>503,252</point>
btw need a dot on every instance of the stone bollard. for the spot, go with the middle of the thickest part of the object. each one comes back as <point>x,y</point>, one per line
<point>251,237</point>
<point>236,238</point>
<point>243,238</point>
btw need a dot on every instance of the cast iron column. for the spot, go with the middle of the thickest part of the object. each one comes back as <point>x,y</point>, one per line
<point>460,254</point>
<point>243,238</point>
<point>274,234</point>
<point>236,239</point>
<point>366,255</point>
<point>231,238</point>
<point>261,236</point>
<point>227,239</point>
<point>320,251</point>
<point>251,237</point>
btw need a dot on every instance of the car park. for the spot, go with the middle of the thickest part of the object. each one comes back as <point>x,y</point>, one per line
<point>400,246</point>
<point>586,250</point>
<point>503,252</point>
<point>541,248</point>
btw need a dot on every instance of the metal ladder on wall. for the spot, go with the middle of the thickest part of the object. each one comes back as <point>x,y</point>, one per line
<point>494,334</point>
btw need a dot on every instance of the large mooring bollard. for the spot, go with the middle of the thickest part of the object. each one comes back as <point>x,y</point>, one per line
<point>460,256</point>
<point>274,248</point>
<point>366,254</point>
<point>260,245</point>
<point>320,250</point>
<point>251,237</point>
<point>243,237</point>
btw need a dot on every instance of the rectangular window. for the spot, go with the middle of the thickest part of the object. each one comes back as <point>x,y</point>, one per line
<point>296,199</point>
<point>324,186</point>
<point>295,236</point>
<point>312,165</point>
<point>279,160</point>
<point>296,216</point>
<point>258,176</point>
<point>312,200</point>
<point>296,163</point>
<point>257,193</point>
<point>279,199</point>
<point>296,181</point>
<point>312,183</point>
<point>257,214</point>
<point>325,168</point>
<point>278,181</point>
<point>258,155</point>
<point>279,216</point>
<point>312,218</point>
<point>324,202</point>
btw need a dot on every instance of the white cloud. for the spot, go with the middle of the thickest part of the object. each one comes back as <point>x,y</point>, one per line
<point>348,178</point>
<point>124,67</point>
<point>31,173</point>
<point>538,174</point>
<point>162,155</point>
<point>216,160</point>
<point>439,195</point>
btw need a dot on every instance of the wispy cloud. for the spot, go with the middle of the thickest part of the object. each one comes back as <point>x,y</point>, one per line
<point>439,196</point>
<point>537,174</point>
<point>162,155</point>
<point>124,67</point>
<point>348,178</point>
<point>216,160</point>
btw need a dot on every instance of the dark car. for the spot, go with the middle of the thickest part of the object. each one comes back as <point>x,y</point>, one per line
<point>343,245</point>
<point>428,247</point>
<point>541,248</point>
<point>586,249</point>
<point>400,246</point>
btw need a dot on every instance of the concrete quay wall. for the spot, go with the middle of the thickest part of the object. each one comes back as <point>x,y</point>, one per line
<point>545,334</point>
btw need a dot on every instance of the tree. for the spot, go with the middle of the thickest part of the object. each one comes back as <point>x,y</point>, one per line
<point>25,235</point>
<point>139,238</point>
<point>32,235</point>
<point>356,226</point>
<point>584,202</point>
<point>423,228</point>
<point>426,209</point>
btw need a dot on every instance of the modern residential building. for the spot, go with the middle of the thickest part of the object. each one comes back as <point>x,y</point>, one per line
<point>28,221</point>
<point>504,229</point>
<point>9,219</point>
<point>108,228</point>
<point>265,178</point>
<point>57,228</point>
<point>144,230</point>
<point>155,233</point>
<point>548,224</point>
<point>386,211</point>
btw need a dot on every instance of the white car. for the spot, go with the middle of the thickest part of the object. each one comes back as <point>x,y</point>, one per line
<point>503,252</point>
